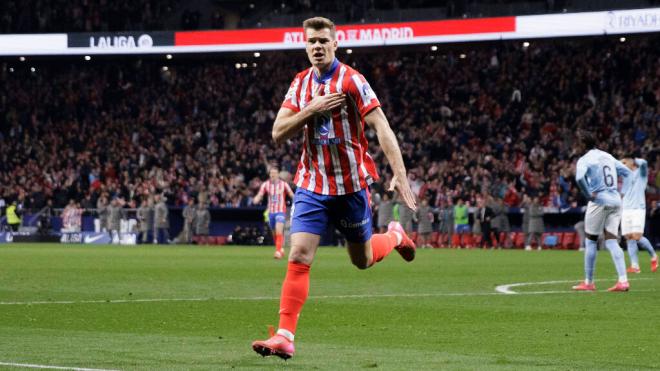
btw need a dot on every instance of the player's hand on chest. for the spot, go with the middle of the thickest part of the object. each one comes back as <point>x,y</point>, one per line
<point>324,99</point>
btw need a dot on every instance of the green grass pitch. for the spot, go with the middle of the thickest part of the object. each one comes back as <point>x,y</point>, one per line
<point>154,308</point>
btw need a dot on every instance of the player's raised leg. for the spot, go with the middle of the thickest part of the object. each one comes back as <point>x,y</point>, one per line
<point>352,216</point>
<point>645,244</point>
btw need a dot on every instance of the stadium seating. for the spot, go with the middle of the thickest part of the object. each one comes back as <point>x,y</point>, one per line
<point>519,240</point>
<point>569,240</point>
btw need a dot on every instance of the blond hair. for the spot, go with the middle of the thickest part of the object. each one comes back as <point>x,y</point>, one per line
<point>319,23</point>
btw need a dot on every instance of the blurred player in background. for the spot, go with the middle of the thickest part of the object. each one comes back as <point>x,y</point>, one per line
<point>330,103</point>
<point>596,175</point>
<point>277,190</point>
<point>633,216</point>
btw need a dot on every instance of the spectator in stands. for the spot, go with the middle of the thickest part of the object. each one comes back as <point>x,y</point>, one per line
<point>447,219</point>
<point>202,222</point>
<point>71,217</point>
<point>536,226</point>
<point>424,216</point>
<point>405,216</point>
<point>484,215</point>
<point>525,204</point>
<point>500,223</point>
<point>13,216</point>
<point>102,212</point>
<point>385,211</point>
<point>114,220</point>
<point>145,220</point>
<point>3,204</point>
<point>461,222</point>
<point>44,225</point>
<point>189,225</point>
<point>161,220</point>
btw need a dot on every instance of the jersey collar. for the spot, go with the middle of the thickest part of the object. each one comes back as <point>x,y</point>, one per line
<point>327,75</point>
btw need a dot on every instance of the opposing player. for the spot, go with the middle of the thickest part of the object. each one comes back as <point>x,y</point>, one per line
<point>330,103</point>
<point>277,191</point>
<point>596,175</point>
<point>634,213</point>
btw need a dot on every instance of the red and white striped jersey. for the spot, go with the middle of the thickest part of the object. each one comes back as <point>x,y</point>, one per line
<point>277,192</point>
<point>334,158</point>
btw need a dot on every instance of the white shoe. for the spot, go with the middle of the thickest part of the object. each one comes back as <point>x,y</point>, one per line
<point>528,248</point>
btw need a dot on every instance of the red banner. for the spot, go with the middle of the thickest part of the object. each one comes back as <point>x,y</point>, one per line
<point>358,33</point>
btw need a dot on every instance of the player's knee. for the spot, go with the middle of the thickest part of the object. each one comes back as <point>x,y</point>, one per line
<point>610,236</point>
<point>298,255</point>
<point>360,263</point>
<point>592,237</point>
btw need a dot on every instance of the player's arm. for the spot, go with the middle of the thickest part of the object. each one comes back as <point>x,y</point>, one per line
<point>643,166</point>
<point>376,119</point>
<point>289,191</point>
<point>581,180</point>
<point>622,169</point>
<point>257,199</point>
<point>288,122</point>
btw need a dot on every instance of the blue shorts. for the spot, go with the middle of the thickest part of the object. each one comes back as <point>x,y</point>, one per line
<point>351,214</point>
<point>462,228</point>
<point>274,218</point>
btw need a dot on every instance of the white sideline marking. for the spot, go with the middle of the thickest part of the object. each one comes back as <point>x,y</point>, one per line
<point>506,289</point>
<point>248,298</point>
<point>499,290</point>
<point>29,365</point>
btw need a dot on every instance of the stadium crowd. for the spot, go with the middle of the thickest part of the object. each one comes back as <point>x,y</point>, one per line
<point>41,16</point>
<point>493,120</point>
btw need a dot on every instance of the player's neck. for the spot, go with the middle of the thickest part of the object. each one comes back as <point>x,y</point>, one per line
<point>323,73</point>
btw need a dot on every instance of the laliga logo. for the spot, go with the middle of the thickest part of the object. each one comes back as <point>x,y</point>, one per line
<point>145,41</point>
<point>367,92</point>
<point>123,42</point>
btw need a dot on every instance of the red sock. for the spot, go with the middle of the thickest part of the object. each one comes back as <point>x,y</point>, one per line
<point>382,245</point>
<point>294,294</point>
<point>279,241</point>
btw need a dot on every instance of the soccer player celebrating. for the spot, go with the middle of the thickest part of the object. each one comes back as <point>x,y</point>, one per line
<point>634,213</point>
<point>596,175</point>
<point>330,103</point>
<point>277,191</point>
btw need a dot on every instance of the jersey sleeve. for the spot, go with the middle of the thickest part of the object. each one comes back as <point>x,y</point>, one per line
<point>580,170</point>
<point>263,189</point>
<point>362,94</point>
<point>580,178</point>
<point>621,169</point>
<point>287,188</point>
<point>291,97</point>
<point>643,167</point>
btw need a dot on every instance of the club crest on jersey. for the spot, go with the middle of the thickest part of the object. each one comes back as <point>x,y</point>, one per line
<point>323,123</point>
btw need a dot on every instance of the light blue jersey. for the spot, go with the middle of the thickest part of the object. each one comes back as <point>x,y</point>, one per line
<point>634,190</point>
<point>596,174</point>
